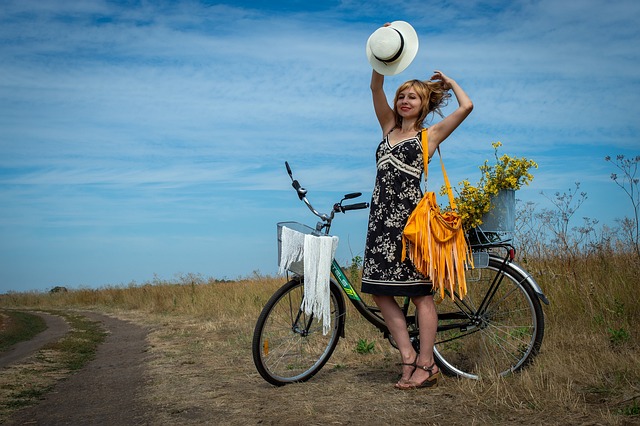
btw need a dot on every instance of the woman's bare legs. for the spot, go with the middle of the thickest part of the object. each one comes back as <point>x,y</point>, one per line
<point>428,324</point>
<point>397,324</point>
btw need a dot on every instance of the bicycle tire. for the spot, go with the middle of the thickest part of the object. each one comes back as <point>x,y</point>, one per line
<point>288,345</point>
<point>499,341</point>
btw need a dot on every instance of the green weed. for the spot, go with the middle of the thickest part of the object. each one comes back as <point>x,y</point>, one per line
<point>365,347</point>
<point>631,410</point>
<point>618,336</point>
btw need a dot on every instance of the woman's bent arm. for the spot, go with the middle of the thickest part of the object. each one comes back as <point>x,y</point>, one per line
<point>441,130</point>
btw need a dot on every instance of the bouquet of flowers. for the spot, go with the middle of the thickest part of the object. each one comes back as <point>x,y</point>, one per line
<point>507,173</point>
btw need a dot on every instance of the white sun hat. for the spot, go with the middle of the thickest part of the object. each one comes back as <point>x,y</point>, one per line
<point>391,49</point>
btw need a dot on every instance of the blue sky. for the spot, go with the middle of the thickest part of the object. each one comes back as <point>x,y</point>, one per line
<point>147,139</point>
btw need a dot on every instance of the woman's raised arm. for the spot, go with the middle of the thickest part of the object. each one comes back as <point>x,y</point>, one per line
<point>383,111</point>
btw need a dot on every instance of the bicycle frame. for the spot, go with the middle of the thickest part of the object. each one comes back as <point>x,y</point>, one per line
<point>355,299</point>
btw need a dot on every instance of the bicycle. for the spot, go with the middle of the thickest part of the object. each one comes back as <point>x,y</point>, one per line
<point>496,329</point>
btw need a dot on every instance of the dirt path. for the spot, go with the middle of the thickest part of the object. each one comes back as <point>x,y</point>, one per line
<point>106,391</point>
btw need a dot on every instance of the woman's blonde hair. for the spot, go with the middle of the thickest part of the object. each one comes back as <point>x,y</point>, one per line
<point>433,97</point>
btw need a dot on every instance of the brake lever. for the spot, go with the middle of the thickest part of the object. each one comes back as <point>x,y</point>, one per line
<point>296,185</point>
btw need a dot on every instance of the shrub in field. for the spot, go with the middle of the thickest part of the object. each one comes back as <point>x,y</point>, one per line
<point>630,184</point>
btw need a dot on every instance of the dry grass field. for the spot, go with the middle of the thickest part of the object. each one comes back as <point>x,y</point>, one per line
<point>588,371</point>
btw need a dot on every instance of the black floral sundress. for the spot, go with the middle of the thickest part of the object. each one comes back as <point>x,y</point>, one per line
<point>396,193</point>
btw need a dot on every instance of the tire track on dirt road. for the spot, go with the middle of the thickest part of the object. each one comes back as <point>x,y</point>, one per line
<point>56,329</point>
<point>107,391</point>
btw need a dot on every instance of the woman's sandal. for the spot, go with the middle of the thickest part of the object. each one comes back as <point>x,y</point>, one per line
<point>429,382</point>
<point>403,382</point>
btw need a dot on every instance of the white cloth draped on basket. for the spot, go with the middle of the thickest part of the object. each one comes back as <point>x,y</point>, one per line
<point>317,253</point>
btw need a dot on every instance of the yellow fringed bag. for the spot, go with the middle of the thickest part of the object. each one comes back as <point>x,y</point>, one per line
<point>436,241</point>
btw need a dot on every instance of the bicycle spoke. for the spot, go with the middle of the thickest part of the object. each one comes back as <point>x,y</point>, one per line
<point>503,340</point>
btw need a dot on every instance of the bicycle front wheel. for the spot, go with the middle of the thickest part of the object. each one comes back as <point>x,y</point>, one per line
<point>290,346</point>
<point>496,329</point>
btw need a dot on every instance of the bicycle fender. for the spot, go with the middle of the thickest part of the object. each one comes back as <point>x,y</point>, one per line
<point>532,282</point>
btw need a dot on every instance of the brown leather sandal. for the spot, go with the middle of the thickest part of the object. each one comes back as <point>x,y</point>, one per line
<point>429,382</point>
<point>401,381</point>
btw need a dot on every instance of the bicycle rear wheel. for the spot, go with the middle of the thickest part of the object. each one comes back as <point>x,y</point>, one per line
<point>497,328</point>
<point>288,345</point>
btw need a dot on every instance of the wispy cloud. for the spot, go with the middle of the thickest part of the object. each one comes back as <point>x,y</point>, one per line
<point>171,120</point>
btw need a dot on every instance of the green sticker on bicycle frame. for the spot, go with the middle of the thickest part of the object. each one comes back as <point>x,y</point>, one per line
<point>343,281</point>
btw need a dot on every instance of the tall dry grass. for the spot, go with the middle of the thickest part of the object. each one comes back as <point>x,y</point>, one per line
<point>591,345</point>
<point>194,296</point>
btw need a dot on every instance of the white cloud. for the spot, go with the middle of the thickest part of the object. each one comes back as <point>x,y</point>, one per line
<point>114,114</point>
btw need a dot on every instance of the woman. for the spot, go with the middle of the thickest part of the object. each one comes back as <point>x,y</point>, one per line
<point>396,193</point>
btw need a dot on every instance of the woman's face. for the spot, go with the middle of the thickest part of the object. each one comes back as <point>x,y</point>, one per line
<point>409,103</point>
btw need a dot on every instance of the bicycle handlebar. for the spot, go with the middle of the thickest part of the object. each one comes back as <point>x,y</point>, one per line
<point>356,206</point>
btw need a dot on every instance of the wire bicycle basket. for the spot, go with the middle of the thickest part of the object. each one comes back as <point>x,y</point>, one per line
<point>296,267</point>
